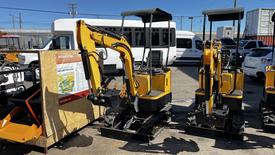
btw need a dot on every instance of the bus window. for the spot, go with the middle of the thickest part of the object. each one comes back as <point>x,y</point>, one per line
<point>172,37</point>
<point>3,43</point>
<point>139,37</point>
<point>9,43</point>
<point>128,34</point>
<point>164,38</point>
<point>16,43</point>
<point>164,41</point>
<point>135,36</point>
<point>155,37</point>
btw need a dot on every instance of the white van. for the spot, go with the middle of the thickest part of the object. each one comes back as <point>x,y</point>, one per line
<point>189,47</point>
<point>64,31</point>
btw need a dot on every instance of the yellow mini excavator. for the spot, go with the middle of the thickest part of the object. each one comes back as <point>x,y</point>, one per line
<point>267,105</point>
<point>218,101</point>
<point>141,108</point>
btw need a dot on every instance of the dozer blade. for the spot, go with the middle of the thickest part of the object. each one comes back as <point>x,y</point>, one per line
<point>150,128</point>
<point>212,132</point>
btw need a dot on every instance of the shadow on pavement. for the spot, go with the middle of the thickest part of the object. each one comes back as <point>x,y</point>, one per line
<point>15,148</point>
<point>252,142</point>
<point>170,145</point>
<point>74,140</point>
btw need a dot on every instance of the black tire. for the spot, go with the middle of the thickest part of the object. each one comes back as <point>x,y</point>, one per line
<point>33,64</point>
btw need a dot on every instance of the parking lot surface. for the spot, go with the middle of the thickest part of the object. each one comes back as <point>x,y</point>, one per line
<point>172,140</point>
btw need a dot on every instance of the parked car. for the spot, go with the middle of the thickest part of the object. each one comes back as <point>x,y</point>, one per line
<point>255,63</point>
<point>228,43</point>
<point>247,45</point>
<point>189,47</point>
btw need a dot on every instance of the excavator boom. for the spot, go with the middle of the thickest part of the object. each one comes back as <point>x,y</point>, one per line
<point>87,38</point>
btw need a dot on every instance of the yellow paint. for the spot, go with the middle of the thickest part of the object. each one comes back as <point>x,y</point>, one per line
<point>11,57</point>
<point>18,132</point>
<point>269,81</point>
<point>87,39</point>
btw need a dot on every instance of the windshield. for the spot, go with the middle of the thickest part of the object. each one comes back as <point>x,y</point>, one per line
<point>44,46</point>
<point>261,44</point>
<point>259,52</point>
<point>228,41</point>
<point>242,43</point>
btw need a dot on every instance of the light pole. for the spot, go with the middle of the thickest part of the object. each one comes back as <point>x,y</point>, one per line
<point>73,11</point>
<point>20,20</point>
<point>180,22</point>
<point>191,23</point>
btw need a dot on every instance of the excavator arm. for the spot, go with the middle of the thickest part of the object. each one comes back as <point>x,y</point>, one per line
<point>87,38</point>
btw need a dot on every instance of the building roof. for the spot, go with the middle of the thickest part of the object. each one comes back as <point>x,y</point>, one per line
<point>25,30</point>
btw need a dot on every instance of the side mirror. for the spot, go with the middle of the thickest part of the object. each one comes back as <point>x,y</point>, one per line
<point>200,47</point>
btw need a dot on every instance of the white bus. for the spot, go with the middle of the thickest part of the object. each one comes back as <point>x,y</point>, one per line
<point>64,31</point>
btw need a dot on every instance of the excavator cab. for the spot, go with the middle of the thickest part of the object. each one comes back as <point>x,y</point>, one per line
<point>141,108</point>
<point>218,100</point>
<point>267,104</point>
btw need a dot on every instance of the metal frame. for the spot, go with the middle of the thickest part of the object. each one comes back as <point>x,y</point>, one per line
<point>150,16</point>
<point>225,15</point>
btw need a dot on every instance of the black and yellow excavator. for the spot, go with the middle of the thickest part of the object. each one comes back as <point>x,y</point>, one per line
<point>141,107</point>
<point>267,105</point>
<point>218,100</point>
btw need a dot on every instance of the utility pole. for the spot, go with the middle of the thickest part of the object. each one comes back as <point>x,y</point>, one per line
<point>191,23</point>
<point>13,20</point>
<point>73,8</point>
<point>20,21</point>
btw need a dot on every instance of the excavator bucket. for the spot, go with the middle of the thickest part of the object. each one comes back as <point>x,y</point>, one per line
<point>18,132</point>
<point>22,123</point>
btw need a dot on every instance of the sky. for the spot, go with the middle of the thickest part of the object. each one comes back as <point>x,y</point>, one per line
<point>37,20</point>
